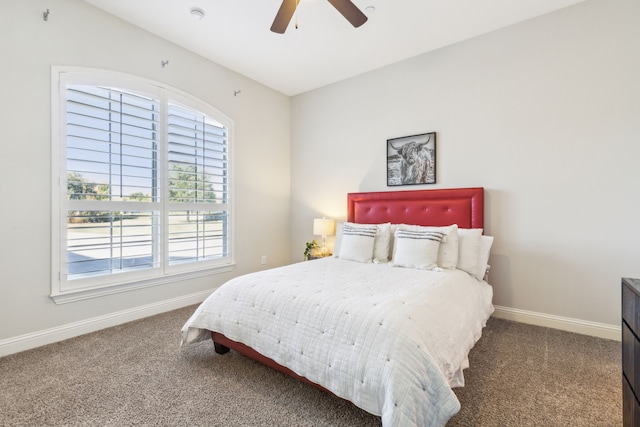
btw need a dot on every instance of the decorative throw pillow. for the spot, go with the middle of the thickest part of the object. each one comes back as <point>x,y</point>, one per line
<point>469,249</point>
<point>381,245</point>
<point>357,242</point>
<point>448,251</point>
<point>416,249</point>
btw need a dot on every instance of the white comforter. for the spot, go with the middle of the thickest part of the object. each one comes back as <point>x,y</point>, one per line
<point>391,340</point>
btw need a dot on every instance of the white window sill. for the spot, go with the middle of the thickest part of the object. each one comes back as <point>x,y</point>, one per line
<point>84,294</point>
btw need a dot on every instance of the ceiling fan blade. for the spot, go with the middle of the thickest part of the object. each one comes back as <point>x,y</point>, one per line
<point>283,17</point>
<point>350,11</point>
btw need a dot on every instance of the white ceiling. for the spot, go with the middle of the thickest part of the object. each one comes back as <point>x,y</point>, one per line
<point>325,48</point>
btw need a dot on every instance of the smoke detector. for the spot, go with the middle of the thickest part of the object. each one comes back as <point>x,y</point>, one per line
<point>197,13</point>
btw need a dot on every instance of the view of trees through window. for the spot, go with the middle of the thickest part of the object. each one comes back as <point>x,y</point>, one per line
<point>184,186</point>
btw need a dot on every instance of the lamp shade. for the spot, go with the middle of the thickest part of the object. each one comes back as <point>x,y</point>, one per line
<point>324,227</point>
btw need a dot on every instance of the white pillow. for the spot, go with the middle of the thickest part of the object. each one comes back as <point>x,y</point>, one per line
<point>469,249</point>
<point>381,245</point>
<point>483,256</point>
<point>338,241</point>
<point>448,251</point>
<point>382,242</point>
<point>416,249</point>
<point>394,228</point>
<point>357,242</point>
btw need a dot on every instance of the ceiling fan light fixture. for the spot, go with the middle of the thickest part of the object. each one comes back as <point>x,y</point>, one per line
<point>197,13</point>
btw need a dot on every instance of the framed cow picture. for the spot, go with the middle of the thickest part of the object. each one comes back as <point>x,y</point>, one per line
<point>411,160</point>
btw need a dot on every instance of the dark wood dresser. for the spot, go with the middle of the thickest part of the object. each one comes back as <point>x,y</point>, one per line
<point>630,352</point>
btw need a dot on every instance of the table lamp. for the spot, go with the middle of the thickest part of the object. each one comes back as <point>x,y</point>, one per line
<point>324,227</point>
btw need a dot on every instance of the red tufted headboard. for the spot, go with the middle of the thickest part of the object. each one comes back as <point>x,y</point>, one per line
<point>462,206</point>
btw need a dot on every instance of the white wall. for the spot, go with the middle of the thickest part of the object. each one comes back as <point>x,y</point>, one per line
<point>77,34</point>
<point>544,114</point>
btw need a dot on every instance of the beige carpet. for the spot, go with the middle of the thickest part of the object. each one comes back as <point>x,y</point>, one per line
<point>136,374</point>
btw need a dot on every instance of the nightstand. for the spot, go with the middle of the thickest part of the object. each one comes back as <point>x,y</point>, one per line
<point>312,257</point>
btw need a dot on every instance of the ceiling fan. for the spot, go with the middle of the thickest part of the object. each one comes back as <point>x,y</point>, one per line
<point>345,7</point>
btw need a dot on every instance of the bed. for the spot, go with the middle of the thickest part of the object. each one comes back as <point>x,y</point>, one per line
<point>391,336</point>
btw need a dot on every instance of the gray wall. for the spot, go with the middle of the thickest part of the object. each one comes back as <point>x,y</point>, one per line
<point>78,34</point>
<point>544,114</point>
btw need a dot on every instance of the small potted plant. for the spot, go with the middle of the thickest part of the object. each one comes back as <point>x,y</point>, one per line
<point>308,251</point>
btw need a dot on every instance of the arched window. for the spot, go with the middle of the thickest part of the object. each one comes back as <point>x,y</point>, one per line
<point>141,184</point>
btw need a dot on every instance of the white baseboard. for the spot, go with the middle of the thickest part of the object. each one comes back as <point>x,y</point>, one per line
<point>59,333</point>
<point>601,330</point>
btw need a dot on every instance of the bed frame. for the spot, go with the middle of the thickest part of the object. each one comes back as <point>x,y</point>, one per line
<point>462,206</point>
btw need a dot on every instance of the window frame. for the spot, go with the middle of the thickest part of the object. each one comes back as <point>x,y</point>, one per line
<point>63,290</point>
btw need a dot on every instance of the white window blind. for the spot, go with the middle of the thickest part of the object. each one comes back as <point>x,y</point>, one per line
<point>112,181</point>
<point>198,186</point>
<point>143,185</point>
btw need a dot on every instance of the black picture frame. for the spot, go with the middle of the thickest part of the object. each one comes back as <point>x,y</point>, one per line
<point>411,160</point>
